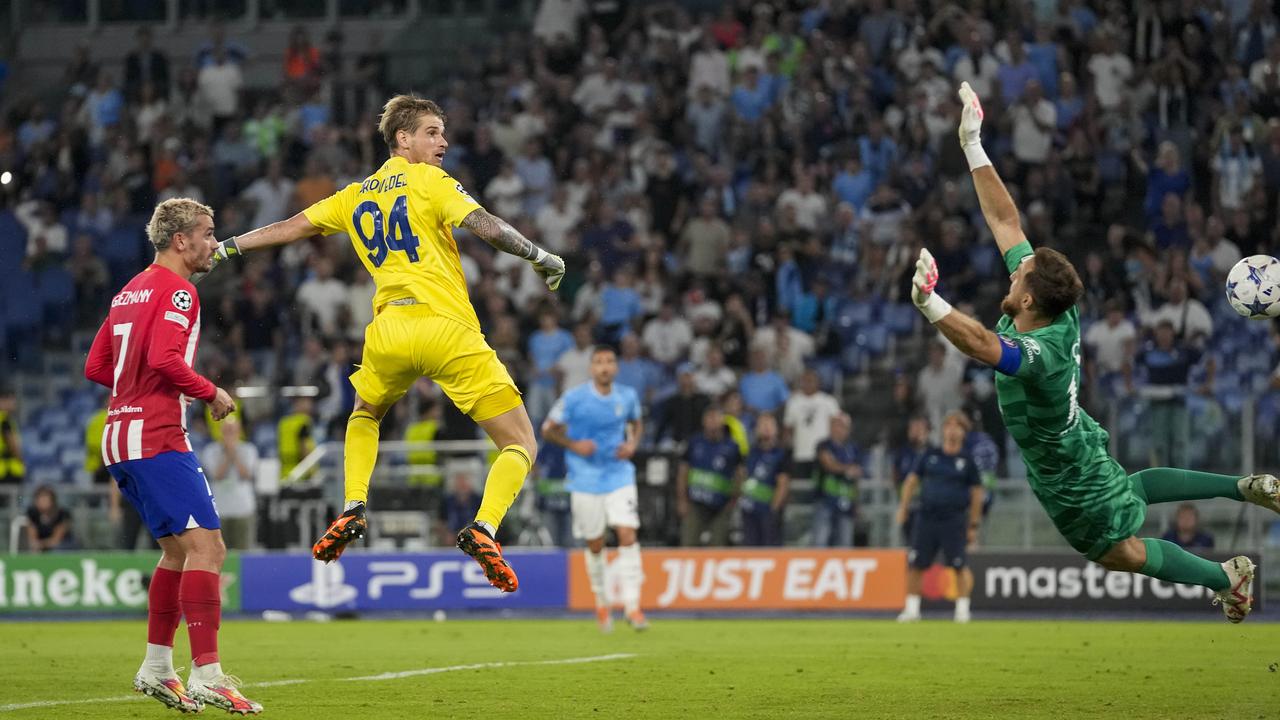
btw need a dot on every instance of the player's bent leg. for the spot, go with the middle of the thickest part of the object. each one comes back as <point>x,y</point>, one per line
<point>1232,581</point>
<point>597,569</point>
<point>1165,484</point>
<point>511,431</point>
<point>359,455</point>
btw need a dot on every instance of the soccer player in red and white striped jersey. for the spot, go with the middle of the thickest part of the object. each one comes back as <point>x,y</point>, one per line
<point>144,352</point>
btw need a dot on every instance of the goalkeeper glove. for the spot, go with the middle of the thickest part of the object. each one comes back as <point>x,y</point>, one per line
<point>226,249</point>
<point>971,128</point>
<point>923,284</point>
<point>550,267</point>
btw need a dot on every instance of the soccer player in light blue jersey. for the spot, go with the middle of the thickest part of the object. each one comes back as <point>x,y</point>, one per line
<point>598,422</point>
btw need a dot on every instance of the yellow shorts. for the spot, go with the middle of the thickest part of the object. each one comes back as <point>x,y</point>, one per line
<point>406,342</point>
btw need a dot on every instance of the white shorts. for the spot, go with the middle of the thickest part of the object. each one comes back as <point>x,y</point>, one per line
<point>593,514</point>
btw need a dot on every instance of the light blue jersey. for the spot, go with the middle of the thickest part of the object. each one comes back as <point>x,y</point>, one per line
<point>588,415</point>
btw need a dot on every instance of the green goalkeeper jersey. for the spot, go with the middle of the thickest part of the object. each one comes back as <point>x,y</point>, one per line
<point>1039,400</point>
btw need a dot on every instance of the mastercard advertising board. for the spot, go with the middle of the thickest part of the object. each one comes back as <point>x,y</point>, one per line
<point>758,579</point>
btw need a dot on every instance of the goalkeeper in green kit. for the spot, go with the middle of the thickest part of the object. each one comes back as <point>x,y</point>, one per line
<point>1035,349</point>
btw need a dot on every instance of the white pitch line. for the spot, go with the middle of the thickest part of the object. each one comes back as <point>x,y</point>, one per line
<point>362,678</point>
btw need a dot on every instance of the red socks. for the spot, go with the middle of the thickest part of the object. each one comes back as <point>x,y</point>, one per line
<point>201,599</point>
<point>163,610</point>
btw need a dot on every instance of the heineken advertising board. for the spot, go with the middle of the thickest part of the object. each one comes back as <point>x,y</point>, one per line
<point>90,582</point>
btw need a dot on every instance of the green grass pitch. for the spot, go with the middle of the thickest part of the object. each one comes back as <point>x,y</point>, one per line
<point>748,668</point>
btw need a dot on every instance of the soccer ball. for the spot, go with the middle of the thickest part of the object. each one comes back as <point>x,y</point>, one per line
<point>1253,287</point>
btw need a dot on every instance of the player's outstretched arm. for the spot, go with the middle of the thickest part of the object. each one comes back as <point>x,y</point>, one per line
<point>997,206</point>
<point>966,333</point>
<point>278,233</point>
<point>499,233</point>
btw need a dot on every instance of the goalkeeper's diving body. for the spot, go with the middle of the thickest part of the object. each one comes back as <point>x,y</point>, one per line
<point>1097,506</point>
<point>400,221</point>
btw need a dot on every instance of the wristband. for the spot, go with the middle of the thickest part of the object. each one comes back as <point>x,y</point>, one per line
<point>976,156</point>
<point>230,246</point>
<point>539,255</point>
<point>935,308</point>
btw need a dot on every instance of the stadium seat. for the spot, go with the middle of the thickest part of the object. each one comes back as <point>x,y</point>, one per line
<point>901,318</point>
<point>57,292</point>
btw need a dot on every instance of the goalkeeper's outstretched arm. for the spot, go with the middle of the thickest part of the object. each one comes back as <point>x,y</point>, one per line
<point>277,233</point>
<point>997,206</point>
<point>502,236</point>
<point>967,334</point>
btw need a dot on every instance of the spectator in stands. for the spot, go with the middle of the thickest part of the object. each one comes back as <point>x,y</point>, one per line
<point>767,485</point>
<point>807,420</point>
<point>905,461</point>
<point>302,66</point>
<point>231,466</point>
<point>1168,360</point>
<point>713,377</point>
<point>1034,123</point>
<point>48,525</point>
<point>574,365</point>
<point>708,483</point>
<point>556,220</point>
<point>219,83</point>
<point>680,415</point>
<point>619,306</point>
<point>46,236</point>
<point>546,345</point>
<point>637,371</point>
<point>145,65</point>
<point>737,422</point>
<point>1187,316</point>
<point>321,296</point>
<point>461,501</point>
<point>1186,531</point>
<point>1109,356</point>
<point>667,337</point>
<point>1166,177</point>
<point>552,500</point>
<point>938,387</point>
<point>839,473</point>
<point>763,389</point>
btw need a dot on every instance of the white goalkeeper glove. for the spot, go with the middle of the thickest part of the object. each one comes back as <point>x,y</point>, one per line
<point>923,283</point>
<point>971,128</point>
<point>550,267</point>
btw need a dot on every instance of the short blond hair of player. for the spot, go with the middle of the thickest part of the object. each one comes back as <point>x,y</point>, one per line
<point>400,221</point>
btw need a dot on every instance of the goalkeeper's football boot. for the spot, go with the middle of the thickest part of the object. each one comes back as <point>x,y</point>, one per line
<point>223,692</point>
<point>350,525</point>
<point>1261,490</point>
<point>475,541</point>
<point>1237,599</point>
<point>169,690</point>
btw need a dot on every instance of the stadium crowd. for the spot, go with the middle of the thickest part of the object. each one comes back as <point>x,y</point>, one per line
<point>739,195</point>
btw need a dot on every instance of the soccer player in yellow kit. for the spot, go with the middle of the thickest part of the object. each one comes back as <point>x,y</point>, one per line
<point>400,221</point>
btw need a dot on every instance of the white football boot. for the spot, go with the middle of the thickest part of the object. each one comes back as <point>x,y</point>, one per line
<point>1237,599</point>
<point>221,691</point>
<point>167,689</point>
<point>1261,490</point>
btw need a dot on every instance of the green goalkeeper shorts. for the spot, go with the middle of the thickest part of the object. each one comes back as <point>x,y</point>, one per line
<point>1094,507</point>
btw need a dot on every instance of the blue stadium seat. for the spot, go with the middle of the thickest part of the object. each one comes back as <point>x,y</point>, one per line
<point>874,339</point>
<point>57,291</point>
<point>13,240</point>
<point>901,318</point>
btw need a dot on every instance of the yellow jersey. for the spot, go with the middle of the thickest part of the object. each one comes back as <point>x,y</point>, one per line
<point>400,221</point>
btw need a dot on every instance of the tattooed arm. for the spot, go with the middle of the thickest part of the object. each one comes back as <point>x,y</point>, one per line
<point>499,233</point>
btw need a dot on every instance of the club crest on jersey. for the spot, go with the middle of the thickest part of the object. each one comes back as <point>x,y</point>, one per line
<point>1032,347</point>
<point>182,300</point>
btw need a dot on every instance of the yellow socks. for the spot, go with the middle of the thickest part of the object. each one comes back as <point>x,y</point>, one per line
<point>506,476</point>
<point>360,452</point>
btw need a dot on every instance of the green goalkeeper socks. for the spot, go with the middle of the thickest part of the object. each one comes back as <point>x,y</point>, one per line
<point>1166,561</point>
<point>1157,485</point>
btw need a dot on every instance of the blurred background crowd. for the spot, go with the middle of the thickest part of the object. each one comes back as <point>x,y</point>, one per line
<point>739,189</point>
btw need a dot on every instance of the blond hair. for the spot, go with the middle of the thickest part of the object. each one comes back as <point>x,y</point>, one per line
<point>404,112</point>
<point>173,216</point>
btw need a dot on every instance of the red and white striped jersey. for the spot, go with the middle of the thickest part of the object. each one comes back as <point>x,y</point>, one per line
<point>144,352</point>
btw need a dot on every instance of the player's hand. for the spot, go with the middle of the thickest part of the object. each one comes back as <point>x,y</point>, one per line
<point>626,451</point>
<point>925,279</point>
<point>222,405</point>
<point>970,116</point>
<point>585,448</point>
<point>226,249</point>
<point>550,268</point>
